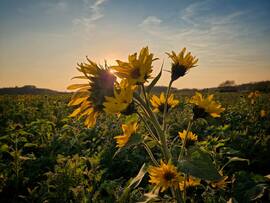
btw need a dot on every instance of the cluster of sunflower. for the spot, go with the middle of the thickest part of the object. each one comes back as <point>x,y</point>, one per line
<point>252,98</point>
<point>121,89</point>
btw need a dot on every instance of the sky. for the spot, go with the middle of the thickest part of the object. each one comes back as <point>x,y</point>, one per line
<point>41,41</point>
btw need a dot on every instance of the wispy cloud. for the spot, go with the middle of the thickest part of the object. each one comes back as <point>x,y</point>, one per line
<point>217,37</point>
<point>151,21</point>
<point>153,26</point>
<point>212,35</point>
<point>91,14</point>
<point>57,7</point>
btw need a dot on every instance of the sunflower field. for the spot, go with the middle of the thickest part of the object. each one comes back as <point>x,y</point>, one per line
<point>117,140</point>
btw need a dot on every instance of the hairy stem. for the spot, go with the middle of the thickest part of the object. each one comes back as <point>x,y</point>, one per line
<point>147,126</point>
<point>157,126</point>
<point>150,154</point>
<point>166,106</point>
<point>184,141</point>
<point>145,96</point>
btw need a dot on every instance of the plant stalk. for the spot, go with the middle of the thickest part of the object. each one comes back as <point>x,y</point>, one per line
<point>148,127</point>
<point>157,126</point>
<point>150,154</point>
<point>185,141</point>
<point>166,107</point>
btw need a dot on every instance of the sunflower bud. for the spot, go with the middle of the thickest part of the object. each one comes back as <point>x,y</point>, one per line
<point>177,71</point>
<point>181,63</point>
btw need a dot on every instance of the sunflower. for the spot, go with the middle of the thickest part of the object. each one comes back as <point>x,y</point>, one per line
<point>191,137</point>
<point>122,99</point>
<point>205,106</point>
<point>136,70</point>
<point>128,130</point>
<point>220,184</point>
<point>89,97</point>
<point>159,102</point>
<point>189,182</point>
<point>263,113</point>
<point>164,176</point>
<point>253,95</point>
<point>181,63</point>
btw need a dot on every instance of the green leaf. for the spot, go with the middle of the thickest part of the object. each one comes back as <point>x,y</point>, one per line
<point>24,158</point>
<point>229,151</point>
<point>30,145</point>
<point>137,180</point>
<point>152,195</point>
<point>5,137</point>
<point>155,80</point>
<point>238,159</point>
<point>22,139</point>
<point>4,148</point>
<point>257,192</point>
<point>151,144</point>
<point>131,118</point>
<point>235,159</point>
<point>199,164</point>
<point>134,140</point>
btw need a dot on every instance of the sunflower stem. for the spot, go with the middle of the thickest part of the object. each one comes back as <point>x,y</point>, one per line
<point>143,108</point>
<point>157,126</point>
<point>176,194</point>
<point>147,126</point>
<point>185,140</point>
<point>185,192</point>
<point>166,107</point>
<point>146,117</point>
<point>150,154</point>
<point>145,96</point>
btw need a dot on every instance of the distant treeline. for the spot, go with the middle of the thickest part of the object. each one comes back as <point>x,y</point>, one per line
<point>28,89</point>
<point>263,86</point>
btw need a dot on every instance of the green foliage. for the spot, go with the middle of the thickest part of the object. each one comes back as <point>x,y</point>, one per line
<point>155,80</point>
<point>45,156</point>
<point>199,164</point>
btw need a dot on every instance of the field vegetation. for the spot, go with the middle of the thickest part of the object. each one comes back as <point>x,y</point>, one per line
<point>47,156</point>
<point>119,141</point>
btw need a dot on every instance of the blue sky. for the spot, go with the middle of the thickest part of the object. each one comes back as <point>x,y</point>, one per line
<point>41,41</point>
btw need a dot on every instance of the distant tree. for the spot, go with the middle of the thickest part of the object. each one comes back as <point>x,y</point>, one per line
<point>227,83</point>
<point>227,86</point>
<point>29,87</point>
